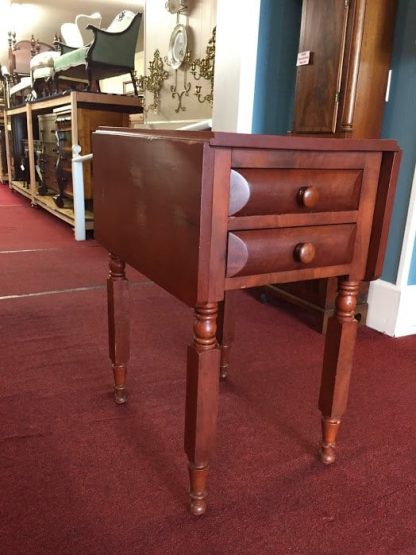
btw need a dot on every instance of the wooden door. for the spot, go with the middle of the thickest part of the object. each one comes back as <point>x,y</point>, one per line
<point>323,33</point>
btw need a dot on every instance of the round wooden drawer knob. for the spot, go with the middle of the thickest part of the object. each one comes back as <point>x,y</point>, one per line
<point>304,252</point>
<point>308,196</point>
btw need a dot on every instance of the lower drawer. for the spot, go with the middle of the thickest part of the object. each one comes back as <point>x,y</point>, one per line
<point>263,251</point>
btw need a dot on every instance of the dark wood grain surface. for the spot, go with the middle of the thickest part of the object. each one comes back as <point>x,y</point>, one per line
<point>203,214</point>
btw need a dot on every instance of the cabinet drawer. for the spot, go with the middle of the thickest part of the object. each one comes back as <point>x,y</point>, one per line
<point>264,251</point>
<point>281,191</point>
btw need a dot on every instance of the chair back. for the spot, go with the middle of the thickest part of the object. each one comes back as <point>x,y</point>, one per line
<point>121,22</point>
<point>76,34</point>
<point>21,52</point>
<point>19,57</point>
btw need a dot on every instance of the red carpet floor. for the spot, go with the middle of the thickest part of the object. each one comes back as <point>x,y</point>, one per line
<point>80,475</point>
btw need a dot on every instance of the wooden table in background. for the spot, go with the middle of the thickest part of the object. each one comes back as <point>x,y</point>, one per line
<point>203,214</point>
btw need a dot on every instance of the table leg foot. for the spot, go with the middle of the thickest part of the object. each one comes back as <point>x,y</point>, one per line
<point>120,391</point>
<point>337,366</point>
<point>327,447</point>
<point>202,386</point>
<point>118,326</point>
<point>120,395</point>
<point>198,479</point>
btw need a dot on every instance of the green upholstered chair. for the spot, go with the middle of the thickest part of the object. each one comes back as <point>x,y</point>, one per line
<point>111,53</point>
<point>75,35</point>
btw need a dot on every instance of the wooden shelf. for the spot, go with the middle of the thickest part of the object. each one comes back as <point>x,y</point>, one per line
<point>47,202</point>
<point>126,103</point>
<point>86,112</point>
<point>65,214</point>
<point>21,188</point>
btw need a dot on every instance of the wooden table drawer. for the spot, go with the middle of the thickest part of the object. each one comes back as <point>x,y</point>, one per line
<point>278,191</point>
<point>262,251</point>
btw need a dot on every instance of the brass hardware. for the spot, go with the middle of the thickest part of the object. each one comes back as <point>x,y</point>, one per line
<point>185,92</point>
<point>154,81</point>
<point>204,68</point>
<point>186,86</point>
<point>135,80</point>
<point>308,196</point>
<point>304,252</point>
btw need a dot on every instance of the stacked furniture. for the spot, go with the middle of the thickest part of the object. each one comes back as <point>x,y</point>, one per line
<point>110,53</point>
<point>56,105</point>
<point>74,35</point>
<point>41,150</point>
<point>20,57</point>
<point>86,55</point>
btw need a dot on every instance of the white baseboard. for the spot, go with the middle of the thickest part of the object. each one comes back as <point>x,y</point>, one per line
<point>392,310</point>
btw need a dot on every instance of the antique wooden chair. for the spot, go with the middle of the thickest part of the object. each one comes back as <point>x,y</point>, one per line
<point>20,57</point>
<point>75,35</point>
<point>111,53</point>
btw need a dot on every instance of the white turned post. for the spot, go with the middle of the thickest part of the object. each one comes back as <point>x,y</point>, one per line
<point>78,191</point>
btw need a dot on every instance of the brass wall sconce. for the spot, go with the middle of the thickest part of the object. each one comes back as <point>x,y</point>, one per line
<point>204,68</point>
<point>154,81</point>
<point>186,86</point>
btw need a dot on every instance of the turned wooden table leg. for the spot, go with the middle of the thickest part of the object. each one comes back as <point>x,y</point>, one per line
<point>338,356</point>
<point>225,331</point>
<point>201,402</point>
<point>118,325</point>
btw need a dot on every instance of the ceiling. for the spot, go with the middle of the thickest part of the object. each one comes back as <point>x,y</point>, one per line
<point>43,18</point>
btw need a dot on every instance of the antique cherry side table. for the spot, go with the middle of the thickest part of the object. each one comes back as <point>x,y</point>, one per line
<point>203,214</point>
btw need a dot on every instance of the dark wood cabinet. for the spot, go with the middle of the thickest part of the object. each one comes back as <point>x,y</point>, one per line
<point>322,36</point>
<point>340,93</point>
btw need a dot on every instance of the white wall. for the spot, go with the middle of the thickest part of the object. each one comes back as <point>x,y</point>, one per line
<point>392,306</point>
<point>200,19</point>
<point>115,85</point>
<point>235,64</point>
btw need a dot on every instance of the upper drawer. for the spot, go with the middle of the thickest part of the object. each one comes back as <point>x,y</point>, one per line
<point>256,192</point>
